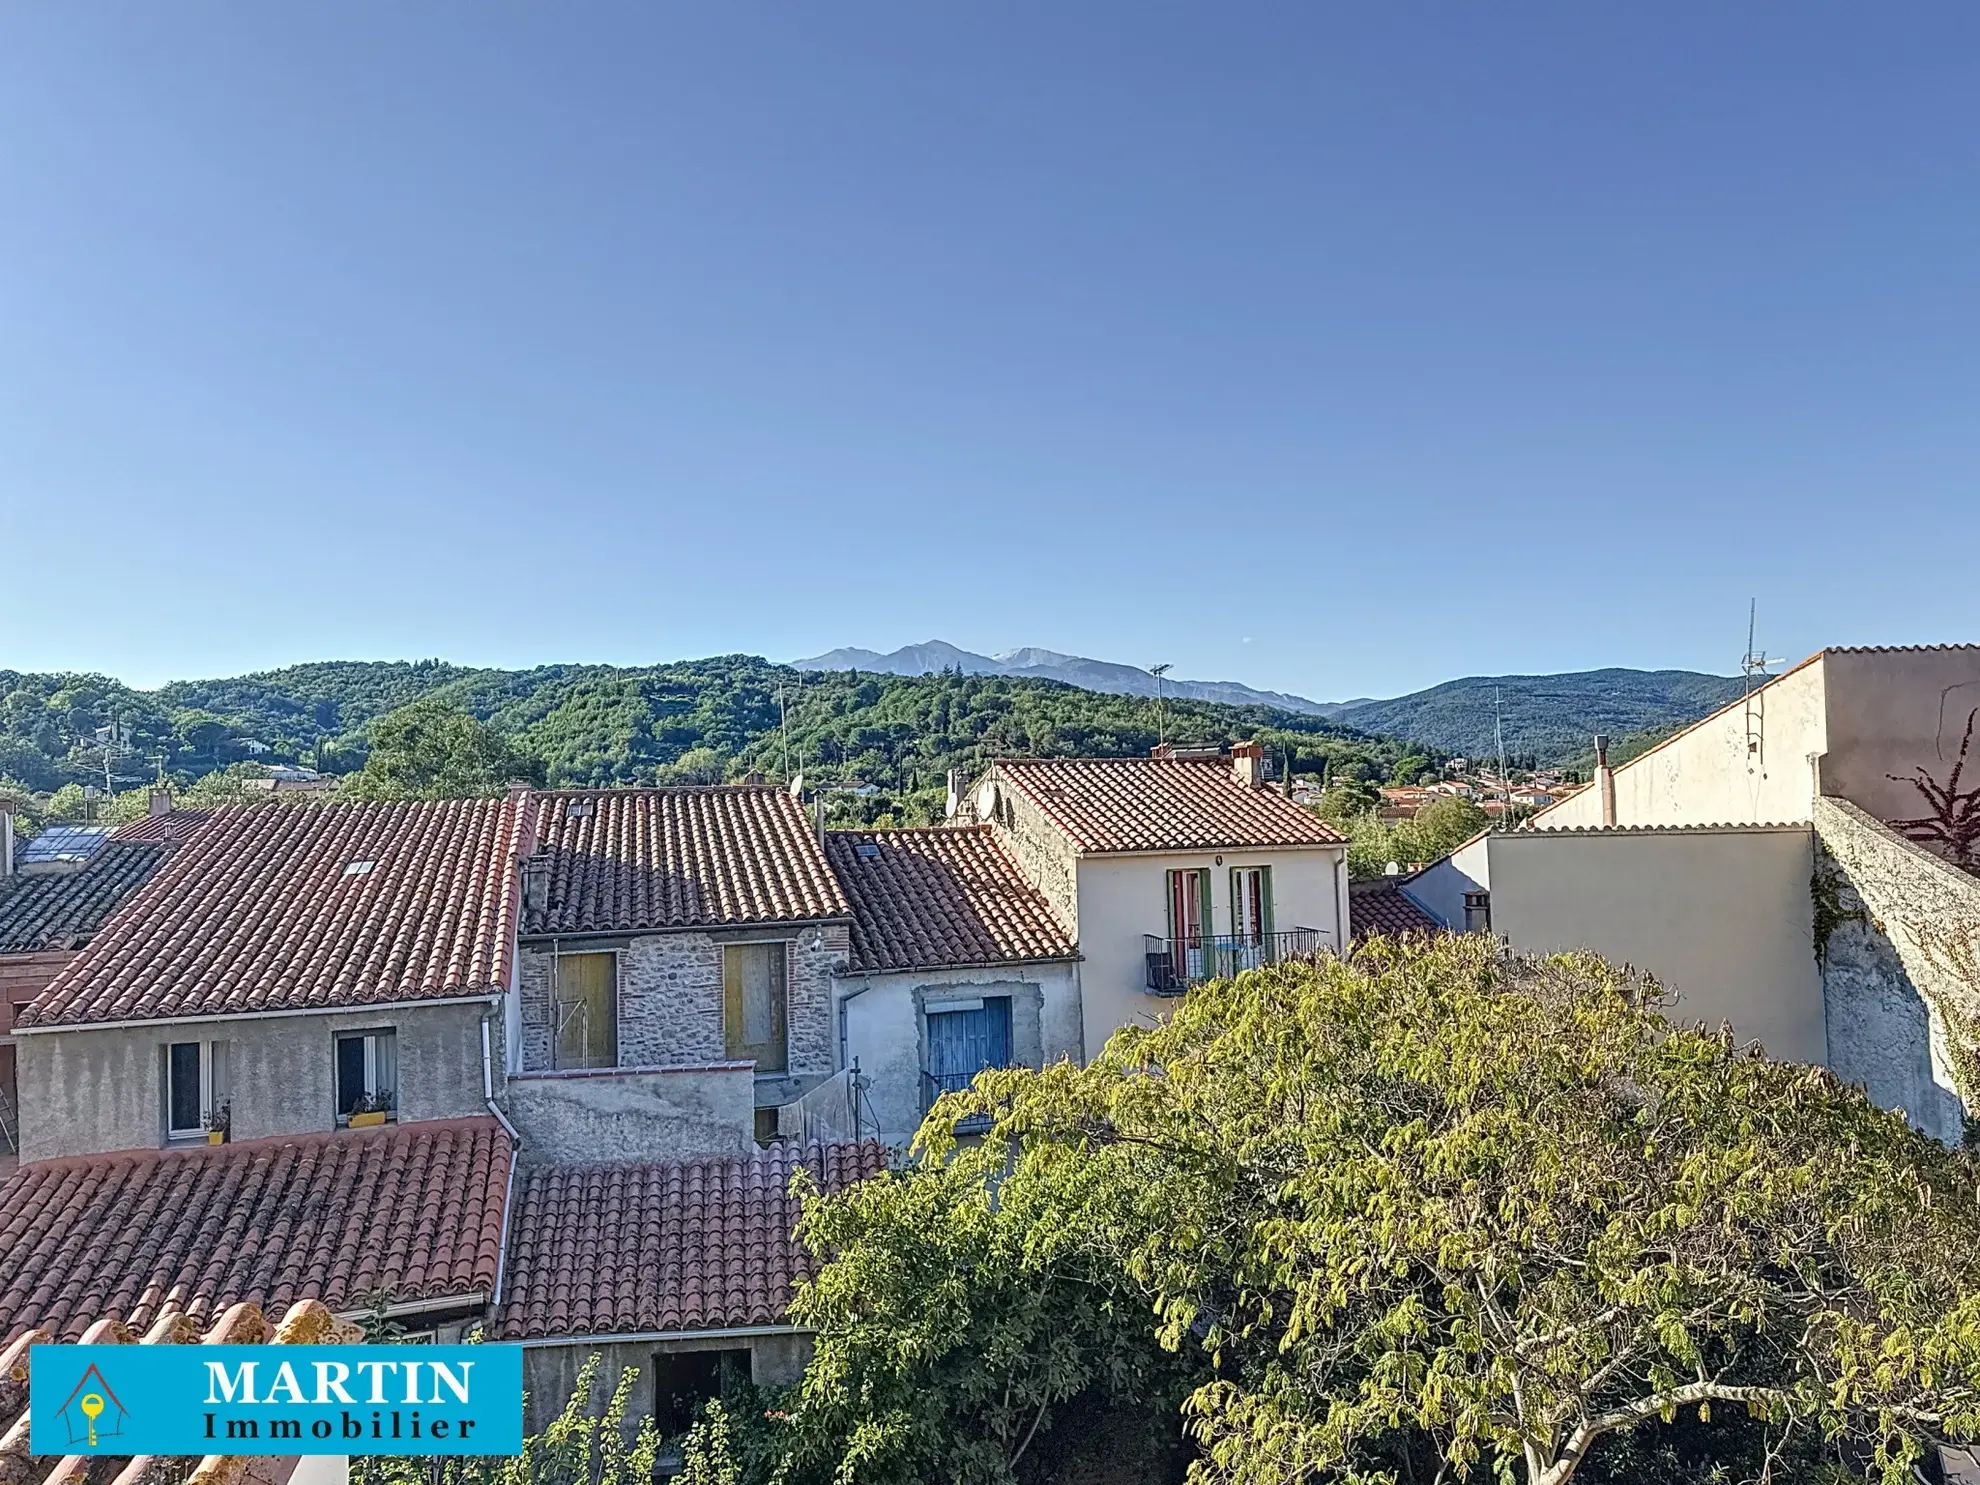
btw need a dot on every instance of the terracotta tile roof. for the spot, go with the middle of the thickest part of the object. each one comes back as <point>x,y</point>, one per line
<point>270,909</point>
<point>306,1324</point>
<point>635,1249</point>
<point>1381,906</point>
<point>937,899</point>
<point>63,909</point>
<point>1161,804</point>
<point>172,825</point>
<point>622,860</point>
<point>414,1210</point>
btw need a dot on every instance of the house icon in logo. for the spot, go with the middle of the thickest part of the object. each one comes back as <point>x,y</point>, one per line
<point>92,1412</point>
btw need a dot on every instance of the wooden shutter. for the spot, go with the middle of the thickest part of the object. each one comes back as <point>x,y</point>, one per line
<point>755,1014</point>
<point>588,1010</point>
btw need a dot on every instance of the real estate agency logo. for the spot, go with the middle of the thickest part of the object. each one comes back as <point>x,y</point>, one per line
<point>92,1412</point>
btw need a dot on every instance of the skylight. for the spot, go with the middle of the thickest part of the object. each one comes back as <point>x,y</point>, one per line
<point>359,868</point>
<point>868,849</point>
<point>66,844</point>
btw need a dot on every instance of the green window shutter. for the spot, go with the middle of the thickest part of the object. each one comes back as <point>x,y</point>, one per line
<point>1203,895</point>
<point>1265,899</point>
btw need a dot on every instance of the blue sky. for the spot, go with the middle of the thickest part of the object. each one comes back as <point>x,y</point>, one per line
<point>1338,349</point>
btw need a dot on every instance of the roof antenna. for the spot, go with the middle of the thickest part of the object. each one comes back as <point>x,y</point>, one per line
<point>1499,732</point>
<point>1161,713</point>
<point>1753,666</point>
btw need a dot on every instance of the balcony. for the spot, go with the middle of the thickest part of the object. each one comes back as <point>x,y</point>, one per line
<point>1176,964</point>
<point>934,1085</point>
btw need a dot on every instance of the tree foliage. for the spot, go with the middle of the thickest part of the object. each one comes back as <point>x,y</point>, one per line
<point>953,1346</point>
<point>1435,1214</point>
<point>430,750</point>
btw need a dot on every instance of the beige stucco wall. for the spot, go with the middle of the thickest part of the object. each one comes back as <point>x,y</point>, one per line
<point>887,1035</point>
<point>1890,711</point>
<point>1724,918</point>
<point>88,1090</point>
<point>1121,898</point>
<point>618,1113</point>
<point>1709,776</point>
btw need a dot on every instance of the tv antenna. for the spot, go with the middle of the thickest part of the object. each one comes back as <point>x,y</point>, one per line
<point>1161,714</point>
<point>1499,735</point>
<point>1753,667</point>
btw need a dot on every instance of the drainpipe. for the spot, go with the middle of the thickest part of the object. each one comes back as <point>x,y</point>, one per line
<point>1605,781</point>
<point>515,1151</point>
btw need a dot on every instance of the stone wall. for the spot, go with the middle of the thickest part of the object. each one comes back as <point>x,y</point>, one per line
<point>1898,931</point>
<point>1041,849</point>
<point>670,998</point>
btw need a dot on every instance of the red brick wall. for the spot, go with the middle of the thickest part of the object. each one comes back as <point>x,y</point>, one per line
<point>24,976</point>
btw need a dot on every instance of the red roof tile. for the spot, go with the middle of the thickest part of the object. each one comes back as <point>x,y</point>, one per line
<point>621,860</point>
<point>306,1324</point>
<point>635,1249</point>
<point>1381,906</point>
<point>289,908</point>
<point>413,1210</point>
<point>937,899</point>
<point>1161,804</point>
<point>172,825</point>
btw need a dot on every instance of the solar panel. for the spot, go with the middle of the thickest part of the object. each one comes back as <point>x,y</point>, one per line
<point>868,849</point>
<point>64,843</point>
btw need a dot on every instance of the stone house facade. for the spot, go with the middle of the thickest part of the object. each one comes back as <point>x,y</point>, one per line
<point>676,971</point>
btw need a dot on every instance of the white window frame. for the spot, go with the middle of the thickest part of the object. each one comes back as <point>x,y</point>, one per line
<point>370,1037</point>
<point>207,1088</point>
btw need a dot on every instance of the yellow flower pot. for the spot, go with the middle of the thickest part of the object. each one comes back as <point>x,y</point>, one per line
<point>368,1121</point>
<point>216,1136</point>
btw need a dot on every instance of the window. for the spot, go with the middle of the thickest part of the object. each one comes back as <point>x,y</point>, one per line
<point>196,1091</point>
<point>684,1380</point>
<point>965,1037</point>
<point>1251,904</point>
<point>367,1073</point>
<point>1189,922</point>
<point>587,995</point>
<point>754,1013</point>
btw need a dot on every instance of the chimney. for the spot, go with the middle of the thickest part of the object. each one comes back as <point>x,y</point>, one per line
<point>958,785</point>
<point>1248,764</point>
<point>1605,780</point>
<point>6,838</point>
<point>161,800</point>
<point>536,885</point>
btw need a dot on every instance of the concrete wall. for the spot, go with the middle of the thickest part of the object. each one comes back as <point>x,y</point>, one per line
<point>671,1113</point>
<point>1709,776</point>
<point>88,1090</point>
<point>1123,897</point>
<point>1890,711</point>
<point>886,1030</point>
<point>550,1373</point>
<point>670,1000</point>
<point>1723,918</point>
<point>1899,932</point>
<point>1440,887</point>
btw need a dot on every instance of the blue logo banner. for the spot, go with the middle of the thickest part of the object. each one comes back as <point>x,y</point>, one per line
<point>191,1400</point>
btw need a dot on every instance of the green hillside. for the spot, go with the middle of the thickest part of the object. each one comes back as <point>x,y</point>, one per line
<point>600,724</point>
<point>1549,719</point>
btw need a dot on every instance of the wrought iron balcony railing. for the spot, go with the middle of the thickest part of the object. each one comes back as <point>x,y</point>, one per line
<point>1174,964</point>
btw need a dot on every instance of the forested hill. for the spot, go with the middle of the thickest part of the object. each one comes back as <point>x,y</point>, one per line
<point>600,724</point>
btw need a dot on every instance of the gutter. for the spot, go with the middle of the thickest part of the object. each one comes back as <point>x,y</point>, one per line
<point>731,1333</point>
<point>493,997</point>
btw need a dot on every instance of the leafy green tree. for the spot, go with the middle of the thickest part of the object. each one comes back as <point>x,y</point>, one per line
<point>952,1345</point>
<point>431,750</point>
<point>1347,798</point>
<point>1440,828</point>
<point>1430,1213</point>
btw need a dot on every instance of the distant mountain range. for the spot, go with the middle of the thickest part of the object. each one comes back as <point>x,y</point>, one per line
<point>1546,718</point>
<point>1050,665</point>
